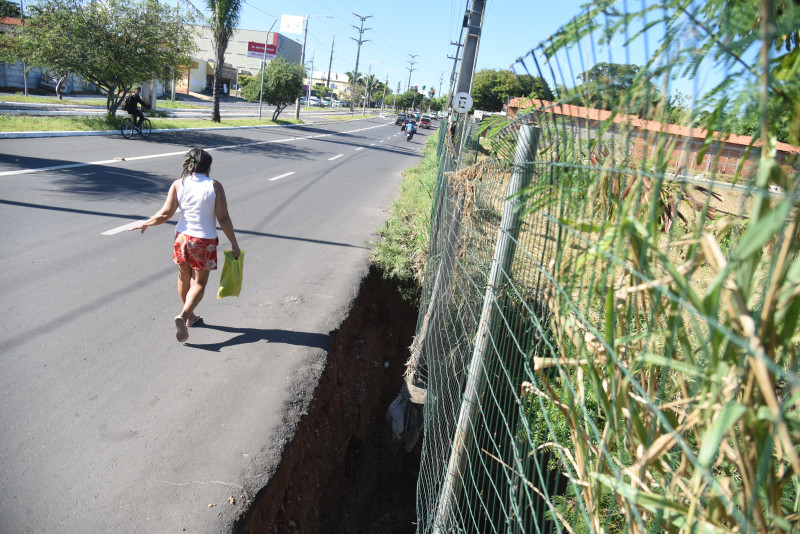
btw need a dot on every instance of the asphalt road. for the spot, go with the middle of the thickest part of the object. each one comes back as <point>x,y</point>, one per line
<point>107,423</point>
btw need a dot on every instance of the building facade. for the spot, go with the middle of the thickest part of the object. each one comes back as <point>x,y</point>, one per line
<point>199,78</point>
<point>337,83</point>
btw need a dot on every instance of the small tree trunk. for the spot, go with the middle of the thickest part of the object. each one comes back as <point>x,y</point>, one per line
<point>59,84</point>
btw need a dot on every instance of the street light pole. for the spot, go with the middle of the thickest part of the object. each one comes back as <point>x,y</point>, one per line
<point>263,68</point>
<point>310,77</point>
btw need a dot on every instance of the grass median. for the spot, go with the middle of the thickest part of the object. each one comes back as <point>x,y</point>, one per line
<point>401,249</point>
<point>26,123</point>
<point>90,101</point>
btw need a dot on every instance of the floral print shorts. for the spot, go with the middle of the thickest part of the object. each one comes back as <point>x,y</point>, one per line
<point>200,253</point>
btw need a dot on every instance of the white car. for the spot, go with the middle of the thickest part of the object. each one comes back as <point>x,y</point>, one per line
<point>313,101</point>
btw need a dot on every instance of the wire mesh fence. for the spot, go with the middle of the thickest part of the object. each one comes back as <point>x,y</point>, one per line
<point>608,340</point>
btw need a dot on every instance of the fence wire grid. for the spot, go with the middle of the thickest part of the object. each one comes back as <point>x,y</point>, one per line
<point>609,341</point>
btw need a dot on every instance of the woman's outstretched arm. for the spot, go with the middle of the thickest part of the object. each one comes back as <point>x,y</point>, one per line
<point>165,213</point>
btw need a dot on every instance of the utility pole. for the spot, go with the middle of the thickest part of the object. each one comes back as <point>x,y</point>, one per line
<point>441,78</point>
<point>471,43</point>
<point>410,69</point>
<point>360,41</point>
<point>303,58</point>
<point>455,59</point>
<point>310,78</point>
<point>328,83</point>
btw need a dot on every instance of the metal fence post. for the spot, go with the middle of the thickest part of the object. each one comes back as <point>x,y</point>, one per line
<point>501,263</point>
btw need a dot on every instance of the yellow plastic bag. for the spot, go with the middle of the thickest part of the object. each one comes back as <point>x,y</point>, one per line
<point>230,281</point>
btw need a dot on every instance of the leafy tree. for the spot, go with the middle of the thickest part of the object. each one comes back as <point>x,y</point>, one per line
<point>492,88</point>
<point>407,100</point>
<point>283,84</point>
<point>10,46</point>
<point>437,104</point>
<point>9,9</point>
<point>224,18</point>
<point>114,52</point>
<point>321,89</point>
<point>727,31</point>
<point>605,85</point>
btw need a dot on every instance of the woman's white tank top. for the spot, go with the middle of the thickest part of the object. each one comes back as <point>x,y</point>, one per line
<point>197,200</point>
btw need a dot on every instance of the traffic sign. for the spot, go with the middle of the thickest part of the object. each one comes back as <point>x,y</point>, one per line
<point>462,102</point>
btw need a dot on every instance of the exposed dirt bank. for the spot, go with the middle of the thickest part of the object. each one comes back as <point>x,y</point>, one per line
<point>343,473</point>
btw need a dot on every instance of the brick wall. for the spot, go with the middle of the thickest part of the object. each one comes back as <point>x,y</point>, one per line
<point>683,144</point>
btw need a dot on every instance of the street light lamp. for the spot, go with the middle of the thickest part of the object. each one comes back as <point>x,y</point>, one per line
<point>369,85</point>
<point>303,57</point>
<point>263,68</point>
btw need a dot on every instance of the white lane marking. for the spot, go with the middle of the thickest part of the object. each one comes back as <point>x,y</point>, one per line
<point>164,155</point>
<point>360,148</point>
<point>123,228</point>
<point>335,157</point>
<point>58,167</point>
<point>281,176</point>
<point>373,144</point>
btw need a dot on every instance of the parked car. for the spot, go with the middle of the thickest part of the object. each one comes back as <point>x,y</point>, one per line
<point>425,122</point>
<point>314,101</point>
<point>401,118</point>
<point>336,103</point>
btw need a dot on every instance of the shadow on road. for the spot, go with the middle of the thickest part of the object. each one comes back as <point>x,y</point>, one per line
<point>254,335</point>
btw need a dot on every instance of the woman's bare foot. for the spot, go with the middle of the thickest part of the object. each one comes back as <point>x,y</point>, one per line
<point>193,320</point>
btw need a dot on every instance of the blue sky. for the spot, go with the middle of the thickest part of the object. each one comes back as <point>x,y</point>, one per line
<point>424,29</point>
<point>421,28</point>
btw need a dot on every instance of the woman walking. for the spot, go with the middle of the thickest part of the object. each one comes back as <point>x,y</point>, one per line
<point>203,205</point>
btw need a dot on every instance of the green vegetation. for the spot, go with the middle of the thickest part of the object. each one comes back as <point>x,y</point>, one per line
<point>151,41</point>
<point>89,102</point>
<point>23,123</point>
<point>283,84</point>
<point>492,88</point>
<point>401,249</point>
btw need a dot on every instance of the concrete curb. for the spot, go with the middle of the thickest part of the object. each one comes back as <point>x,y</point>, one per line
<point>31,135</point>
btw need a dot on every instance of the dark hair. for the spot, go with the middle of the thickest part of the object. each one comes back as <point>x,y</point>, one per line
<point>197,161</point>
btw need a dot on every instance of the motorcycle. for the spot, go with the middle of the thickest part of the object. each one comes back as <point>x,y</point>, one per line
<point>409,135</point>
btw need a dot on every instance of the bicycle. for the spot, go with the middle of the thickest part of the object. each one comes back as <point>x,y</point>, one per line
<point>127,129</point>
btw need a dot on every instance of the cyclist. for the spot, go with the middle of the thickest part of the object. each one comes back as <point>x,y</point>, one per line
<point>132,107</point>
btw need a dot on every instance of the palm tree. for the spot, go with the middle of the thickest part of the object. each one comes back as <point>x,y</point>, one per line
<point>371,81</point>
<point>358,77</point>
<point>224,18</point>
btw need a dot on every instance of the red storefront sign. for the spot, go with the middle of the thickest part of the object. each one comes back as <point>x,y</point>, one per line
<point>255,49</point>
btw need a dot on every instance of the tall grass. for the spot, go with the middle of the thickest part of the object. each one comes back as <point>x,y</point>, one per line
<point>402,245</point>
